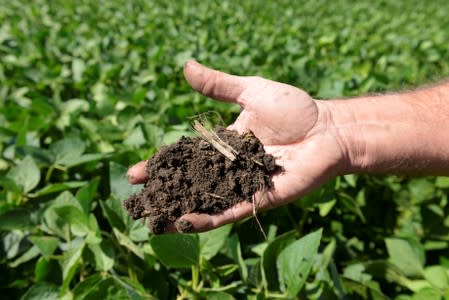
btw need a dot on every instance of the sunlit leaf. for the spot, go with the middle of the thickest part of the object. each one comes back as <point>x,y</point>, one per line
<point>26,174</point>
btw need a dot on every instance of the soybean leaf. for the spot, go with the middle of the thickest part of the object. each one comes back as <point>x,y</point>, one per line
<point>25,174</point>
<point>427,294</point>
<point>138,232</point>
<point>70,263</point>
<point>94,234</point>
<point>19,218</point>
<point>84,159</point>
<point>437,276</point>
<point>104,255</point>
<point>66,198</point>
<point>133,288</point>
<point>176,250</point>
<point>67,150</point>
<point>75,218</point>
<point>442,182</point>
<point>87,286</point>
<point>86,194</point>
<point>295,262</point>
<point>421,190</point>
<point>116,214</point>
<point>27,256</point>
<point>78,67</point>
<point>65,213</point>
<point>212,241</point>
<point>10,185</point>
<point>126,242</point>
<point>41,269</point>
<point>57,187</point>
<point>233,249</point>
<point>120,188</point>
<point>135,137</point>
<point>42,290</point>
<point>106,288</point>
<point>109,288</point>
<point>219,296</point>
<point>46,244</point>
<point>404,255</point>
<point>271,253</point>
<point>40,155</point>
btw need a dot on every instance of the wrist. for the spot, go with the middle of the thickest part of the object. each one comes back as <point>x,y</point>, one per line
<point>399,133</point>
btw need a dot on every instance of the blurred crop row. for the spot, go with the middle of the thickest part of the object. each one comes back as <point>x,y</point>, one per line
<point>88,88</point>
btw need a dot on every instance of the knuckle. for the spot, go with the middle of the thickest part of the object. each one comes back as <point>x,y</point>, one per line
<point>209,86</point>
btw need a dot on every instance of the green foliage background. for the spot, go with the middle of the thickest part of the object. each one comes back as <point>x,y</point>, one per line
<point>88,88</point>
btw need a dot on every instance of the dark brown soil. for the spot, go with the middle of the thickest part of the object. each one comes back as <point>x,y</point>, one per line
<point>192,176</point>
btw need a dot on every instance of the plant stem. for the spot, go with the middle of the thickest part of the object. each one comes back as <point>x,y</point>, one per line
<point>302,222</point>
<point>49,172</point>
<point>195,277</point>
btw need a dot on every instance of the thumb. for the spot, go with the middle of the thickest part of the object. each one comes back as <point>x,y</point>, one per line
<point>215,84</point>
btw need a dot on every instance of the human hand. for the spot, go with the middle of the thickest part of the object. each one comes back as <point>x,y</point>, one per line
<point>292,126</point>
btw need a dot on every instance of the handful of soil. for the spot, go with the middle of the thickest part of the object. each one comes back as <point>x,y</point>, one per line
<point>193,176</point>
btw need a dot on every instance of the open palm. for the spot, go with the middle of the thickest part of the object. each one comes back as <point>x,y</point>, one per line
<point>291,125</point>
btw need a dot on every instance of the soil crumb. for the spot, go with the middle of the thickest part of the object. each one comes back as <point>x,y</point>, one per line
<point>191,176</point>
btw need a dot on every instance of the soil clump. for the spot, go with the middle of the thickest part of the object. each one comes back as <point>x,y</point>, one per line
<point>192,176</point>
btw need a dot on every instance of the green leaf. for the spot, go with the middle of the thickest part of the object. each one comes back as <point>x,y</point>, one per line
<point>87,286</point>
<point>271,253</point>
<point>437,276</point>
<point>138,232</point>
<point>75,218</point>
<point>326,207</point>
<point>295,262</point>
<point>176,250</point>
<point>442,182</point>
<point>85,158</point>
<point>133,288</point>
<point>67,150</point>
<point>421,190</point>
<point>27,256</point>
<point>116,214</point>
<point>78,67</point>
<point>94,234</point>
<point>427,294</point>
<point>66,198</point>
<point>57,187</point>
<point>42,290</point>
<point>351,179</point>
<point>212,241</point>
<point>120,188</point>
<point>219,296</point>
<point>70,262</point>
<point>404,256</point>
<point>41,269</point>
<point>46,244</point>
<point>25,174</point>
<point>104,255</point>
<point>135,137</point>
<point>55,225</point>
<point>19,218</point>
<point>234,251</point>
<point>11,242</point>
<point>86,194</point>
<point>109,288</point>
<point>126,242</point>
<point>40,155</point>
<point>64,214</point>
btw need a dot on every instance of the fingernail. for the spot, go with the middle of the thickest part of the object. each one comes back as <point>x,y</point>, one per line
<point>184,226</point>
